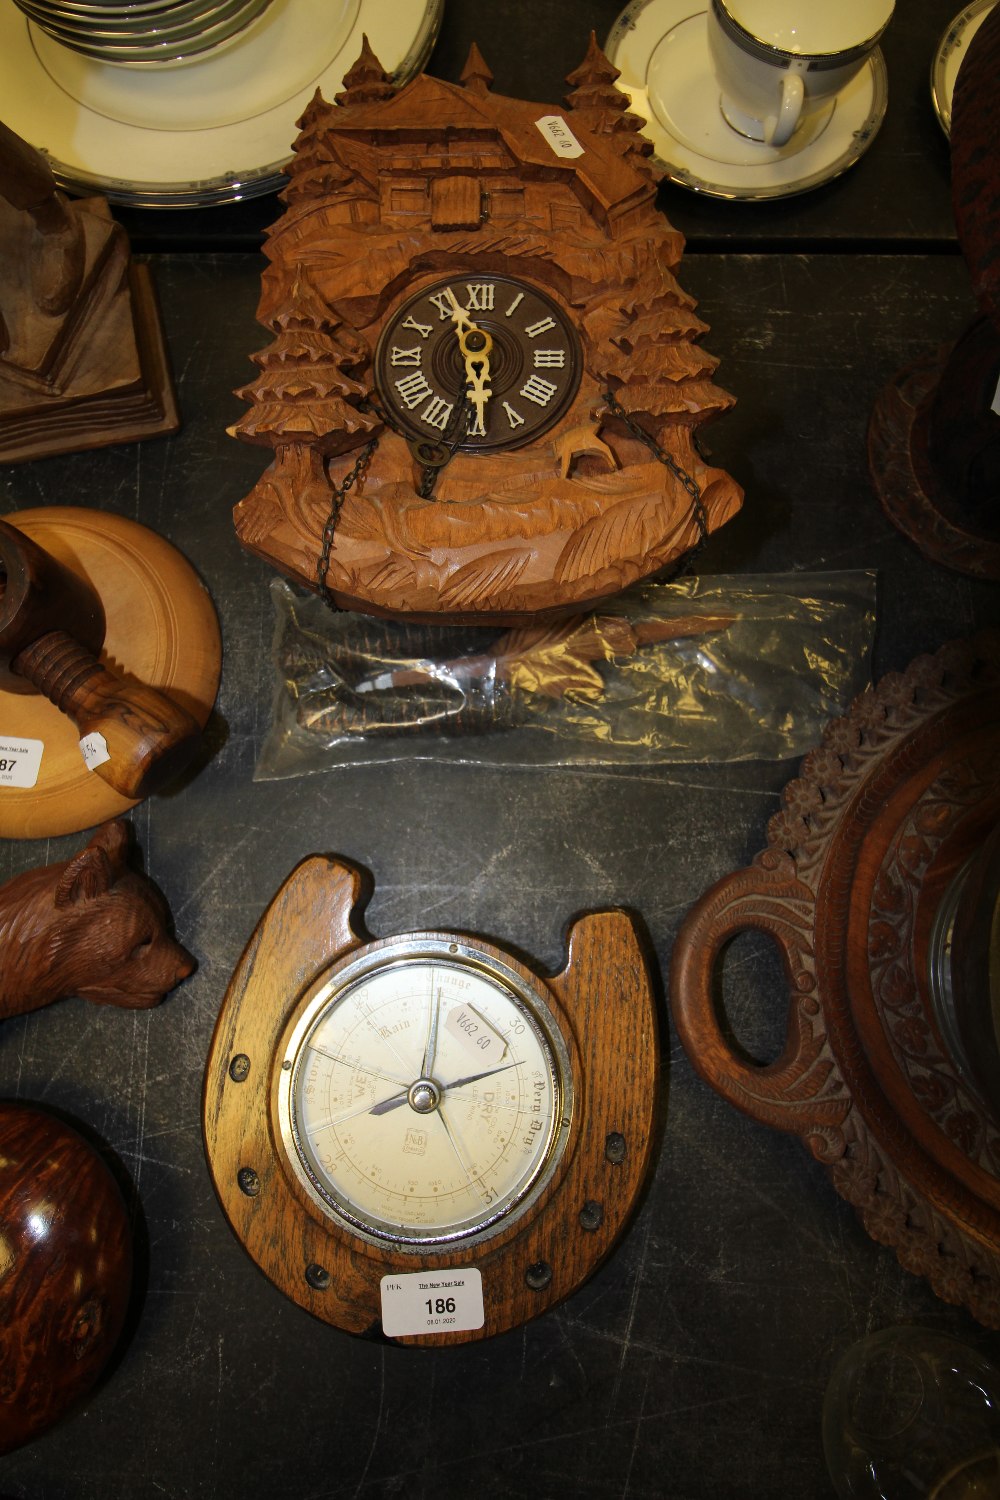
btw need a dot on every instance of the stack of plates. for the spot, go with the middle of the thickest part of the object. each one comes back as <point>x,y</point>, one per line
<point>145,33</point>
<point>214,130</point>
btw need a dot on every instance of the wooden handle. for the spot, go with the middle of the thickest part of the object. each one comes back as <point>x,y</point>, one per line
<point>791,1093</point>
<point>150,738</point>
<point>38,593</point>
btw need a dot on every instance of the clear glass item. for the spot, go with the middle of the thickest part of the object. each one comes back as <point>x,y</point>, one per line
<point>911,1414</point>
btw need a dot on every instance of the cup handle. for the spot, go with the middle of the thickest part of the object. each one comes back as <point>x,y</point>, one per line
<point>780,126</point>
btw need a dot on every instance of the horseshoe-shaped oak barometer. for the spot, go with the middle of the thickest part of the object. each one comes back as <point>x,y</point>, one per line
<point>420,1135</point>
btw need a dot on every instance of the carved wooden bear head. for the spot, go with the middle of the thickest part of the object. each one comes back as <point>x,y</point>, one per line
<point>89,926</point>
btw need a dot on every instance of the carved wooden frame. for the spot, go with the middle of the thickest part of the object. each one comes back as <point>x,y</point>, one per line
<point>879,818</point>
<point>910,491</point>
<point>910,419</point>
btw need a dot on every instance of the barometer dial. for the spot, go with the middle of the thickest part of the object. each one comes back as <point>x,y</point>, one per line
<point>426,1096</point>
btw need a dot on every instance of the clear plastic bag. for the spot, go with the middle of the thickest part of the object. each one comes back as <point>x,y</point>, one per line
<point>700,670</point>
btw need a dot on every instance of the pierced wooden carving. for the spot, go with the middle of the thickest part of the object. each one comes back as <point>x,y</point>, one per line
<point>916,494</point>
<point>395,192</point>
<point>82,357</point>
<point>87,926</point>
<point>873,832</point>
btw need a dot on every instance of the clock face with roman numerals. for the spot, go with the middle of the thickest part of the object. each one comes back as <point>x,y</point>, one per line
<point>492,361</point>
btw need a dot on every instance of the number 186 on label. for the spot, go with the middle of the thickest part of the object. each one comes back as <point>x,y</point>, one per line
<point>432,1302</point>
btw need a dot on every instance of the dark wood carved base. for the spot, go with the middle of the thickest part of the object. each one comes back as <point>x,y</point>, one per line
<point>134,399</point>
<point>82,355</point>
<point>881,817</point>
<point>912,491</point>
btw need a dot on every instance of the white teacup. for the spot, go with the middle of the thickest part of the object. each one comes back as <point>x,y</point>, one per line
<point>778,61</point>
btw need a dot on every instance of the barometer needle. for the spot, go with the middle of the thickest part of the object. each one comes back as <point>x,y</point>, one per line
<point>353,1114</point>
<point>355,1067</point>
<point>393,1102</point>
<point>490,1027</point>
<point>456,1083</point>
<point>386,1105</point>
<point>430,1048</point>
<point>470,1175</point>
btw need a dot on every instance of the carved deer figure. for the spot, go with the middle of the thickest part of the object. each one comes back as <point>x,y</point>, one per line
<point>89,926</point>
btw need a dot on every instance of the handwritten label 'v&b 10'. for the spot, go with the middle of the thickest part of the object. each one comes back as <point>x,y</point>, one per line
<point>559,136</point>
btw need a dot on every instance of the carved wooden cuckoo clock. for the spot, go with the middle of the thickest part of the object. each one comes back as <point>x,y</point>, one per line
<point>485,381</point>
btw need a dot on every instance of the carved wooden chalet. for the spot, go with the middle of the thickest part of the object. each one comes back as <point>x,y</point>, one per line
<point>391,189</point>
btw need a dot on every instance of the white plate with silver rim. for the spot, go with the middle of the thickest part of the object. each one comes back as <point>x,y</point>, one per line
<point>165,46</point>
<point>199,19</point>
<point>70,8</point>
<point>213,130</point>
<point>191,12</point>
<point>950,56</point>
<point>660,48</point>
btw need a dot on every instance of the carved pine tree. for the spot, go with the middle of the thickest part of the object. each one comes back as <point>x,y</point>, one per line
<point>604,108</point>
<point>304,393</point>
<point>652,362</point>
<point>367,81</point>
<point>315,169</point>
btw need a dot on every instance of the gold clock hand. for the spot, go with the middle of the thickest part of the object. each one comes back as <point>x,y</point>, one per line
<point>477,389</point>
<point>475,344</point>
<point>458,315</point>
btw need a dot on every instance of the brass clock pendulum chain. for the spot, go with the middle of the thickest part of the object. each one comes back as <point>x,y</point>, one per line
<point>669,462</point>
<point>434,457</point>
<point>431,456</point>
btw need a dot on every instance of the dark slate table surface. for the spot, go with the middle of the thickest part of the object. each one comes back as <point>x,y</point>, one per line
<point>694,1363</point>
